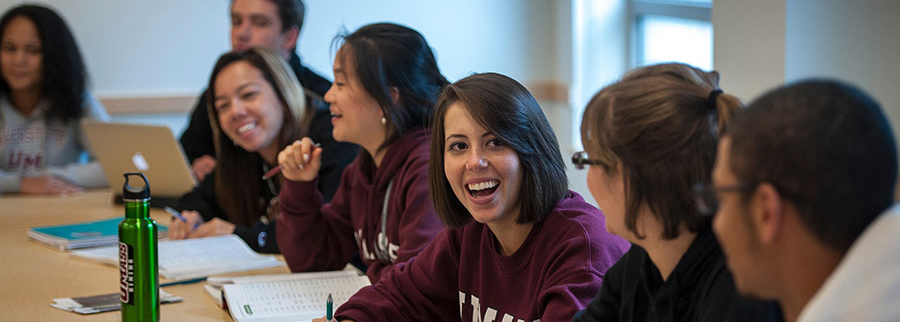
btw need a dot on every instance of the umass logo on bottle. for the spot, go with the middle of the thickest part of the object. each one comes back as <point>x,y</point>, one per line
<point>126,274</point>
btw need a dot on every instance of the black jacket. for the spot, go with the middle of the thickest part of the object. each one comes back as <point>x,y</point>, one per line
<point>261,236</point>
<point>197,139</point>
<point>700,288</point>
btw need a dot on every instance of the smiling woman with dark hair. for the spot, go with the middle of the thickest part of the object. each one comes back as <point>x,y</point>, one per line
<point>386,80</point>
<point>43,97</point>
<point>520,246</point>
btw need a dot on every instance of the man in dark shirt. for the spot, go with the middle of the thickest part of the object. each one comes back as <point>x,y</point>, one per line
<point>274,24</point>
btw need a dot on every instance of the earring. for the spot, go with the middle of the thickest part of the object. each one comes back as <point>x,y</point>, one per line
<point>383,121</point>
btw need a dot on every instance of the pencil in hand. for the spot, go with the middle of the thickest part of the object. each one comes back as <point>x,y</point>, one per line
<point>277,169</point>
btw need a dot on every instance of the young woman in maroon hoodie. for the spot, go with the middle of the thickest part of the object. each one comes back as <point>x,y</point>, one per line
<point>386,81</point>
<point>521,246</point>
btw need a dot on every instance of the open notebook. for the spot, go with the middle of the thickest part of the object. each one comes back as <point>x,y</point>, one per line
<point>284,297</point>
<point>193,258</point>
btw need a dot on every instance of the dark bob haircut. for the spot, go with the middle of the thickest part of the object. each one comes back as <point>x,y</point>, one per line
<point>506,109</point>
<point>827,148</point>
<point>64,74</point>
<point>385,56</point>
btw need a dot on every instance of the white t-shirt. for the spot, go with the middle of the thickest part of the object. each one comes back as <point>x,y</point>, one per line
<point>30,146</point>
<point>865,286</point>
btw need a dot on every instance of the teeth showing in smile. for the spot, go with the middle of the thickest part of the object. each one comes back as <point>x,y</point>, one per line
<point>482,185</point>
<point>246,128</point>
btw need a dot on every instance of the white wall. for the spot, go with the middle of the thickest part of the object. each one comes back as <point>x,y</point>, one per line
<point>765,43</point>
<point>749,45</point>
<point>856,41</point>
<point>147,48</point>
<point>168,46</point>
<point>506,36</point>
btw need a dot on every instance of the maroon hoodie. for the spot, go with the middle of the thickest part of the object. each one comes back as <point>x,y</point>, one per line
<point>316,237</point>
<point>554,273</point>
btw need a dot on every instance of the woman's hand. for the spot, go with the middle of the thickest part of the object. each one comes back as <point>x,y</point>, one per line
<point>47,185</point>
<point>203,166</point>
<point>300,161</point>
<point>181,230</point>
<point>215,227</point>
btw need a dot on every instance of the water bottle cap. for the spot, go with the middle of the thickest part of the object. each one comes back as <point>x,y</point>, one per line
<point>140,192</point>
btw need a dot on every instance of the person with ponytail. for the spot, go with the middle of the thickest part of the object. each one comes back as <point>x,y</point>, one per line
<point>650,138</point>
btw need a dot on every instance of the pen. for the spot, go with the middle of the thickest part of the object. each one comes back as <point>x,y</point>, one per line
<point>175,213</point>
<point>272,173</point>
<point>190,281</point>
<point>178,215</point>
<point>277,169</point>
<point>329,308</point>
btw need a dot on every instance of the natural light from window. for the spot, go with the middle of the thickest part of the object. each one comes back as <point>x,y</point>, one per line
<point>665,39</point>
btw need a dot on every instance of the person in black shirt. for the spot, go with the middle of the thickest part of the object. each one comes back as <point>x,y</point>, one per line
<point>274,24</point>
<point>649,138</point>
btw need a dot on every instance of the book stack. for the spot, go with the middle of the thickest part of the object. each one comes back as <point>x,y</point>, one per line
<point>82,235</point>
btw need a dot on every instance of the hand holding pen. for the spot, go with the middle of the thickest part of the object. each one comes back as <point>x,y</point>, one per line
<point>329,311</point>
<point>301,160</point>
<point>183,223</point>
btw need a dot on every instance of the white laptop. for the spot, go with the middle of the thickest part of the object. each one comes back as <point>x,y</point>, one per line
<point>150,149</point>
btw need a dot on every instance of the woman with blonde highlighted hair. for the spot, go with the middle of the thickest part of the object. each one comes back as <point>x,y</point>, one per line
<point>258,107</point>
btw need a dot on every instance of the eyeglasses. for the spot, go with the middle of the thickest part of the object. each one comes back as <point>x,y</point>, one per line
<point>580,159</point>
<point>706,199</point>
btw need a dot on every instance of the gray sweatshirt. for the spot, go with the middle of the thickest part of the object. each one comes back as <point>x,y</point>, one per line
<point>30,146</point>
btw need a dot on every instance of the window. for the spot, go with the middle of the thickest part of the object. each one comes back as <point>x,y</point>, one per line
<point>612,36</point>
<point>665,31</point>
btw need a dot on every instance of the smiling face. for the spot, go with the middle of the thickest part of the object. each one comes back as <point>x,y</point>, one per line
<point>248,108</point>
<point>355,114</point>
<point>21,55</point>
<point>257,23</point>
<point>483,171</point>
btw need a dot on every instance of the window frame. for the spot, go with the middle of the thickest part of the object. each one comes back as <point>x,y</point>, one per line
<point>668,8</point>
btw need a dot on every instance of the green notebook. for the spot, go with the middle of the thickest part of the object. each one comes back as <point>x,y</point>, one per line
<point>82,235</point>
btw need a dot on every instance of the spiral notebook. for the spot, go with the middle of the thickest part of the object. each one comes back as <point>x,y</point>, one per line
<point>82,235</point>
<point>286,297</point>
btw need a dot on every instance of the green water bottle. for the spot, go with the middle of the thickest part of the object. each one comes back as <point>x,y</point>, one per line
<point>138,274</point>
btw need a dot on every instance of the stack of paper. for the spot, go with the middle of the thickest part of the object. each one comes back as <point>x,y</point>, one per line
<point>285,297</point>
<point>82,235</point>
<point>197,257</point>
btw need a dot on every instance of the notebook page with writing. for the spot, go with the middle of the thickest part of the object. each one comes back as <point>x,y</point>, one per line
<point>300,298</point>
<point>196,257</point>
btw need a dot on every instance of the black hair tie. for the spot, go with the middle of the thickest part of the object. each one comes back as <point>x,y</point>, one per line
<point>711,100</point>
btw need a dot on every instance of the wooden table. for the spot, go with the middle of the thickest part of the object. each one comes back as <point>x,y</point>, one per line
<point>32,274</point>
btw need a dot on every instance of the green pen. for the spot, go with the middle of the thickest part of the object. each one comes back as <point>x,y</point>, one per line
<point>329,308</point>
